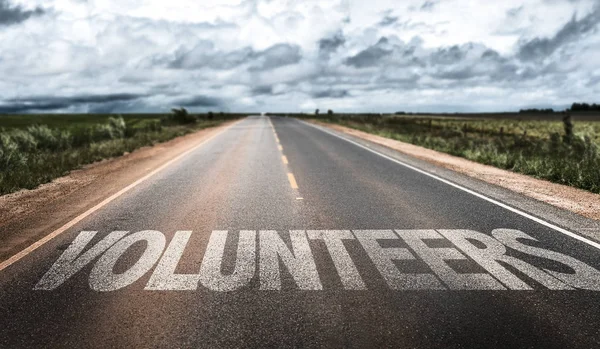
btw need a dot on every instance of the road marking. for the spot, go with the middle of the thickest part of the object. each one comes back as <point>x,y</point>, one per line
<point>106,201</point>
<point>104,279</point>
<point>299,261</point>
<point>499,268</point>
<point>284,159</point>
<point>292,179</point>
<point>460,187</point>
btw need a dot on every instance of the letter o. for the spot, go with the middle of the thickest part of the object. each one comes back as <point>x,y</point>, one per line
<point>102,277</point>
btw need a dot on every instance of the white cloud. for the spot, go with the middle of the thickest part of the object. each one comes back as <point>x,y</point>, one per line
<point>291,55</point>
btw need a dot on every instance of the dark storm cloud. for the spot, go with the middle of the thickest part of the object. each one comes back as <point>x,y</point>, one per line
<point>118,107</point>
<point>50,103</point>
<point>507,72</point>
<point>488,67</point>
<point>276,56</point>
<point>388,20</point>
<point>261,90</point>
<point>450,55</point>
<point>204,56</point>
<point>16,107</point>
<point>428,5</point>
<point>13,14</point>
<point>331,44</point>
<point>87,99</point>
<point>490,54</point>
<point>369,57</point>
<point>405,64</point>
<point>514,12</point>
<point>463,73</point>
<point>570,32</point>
<point>201,57</point>
<point>332,93</point>
<point>198,101</point>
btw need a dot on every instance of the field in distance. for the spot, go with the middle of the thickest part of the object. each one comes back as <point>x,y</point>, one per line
<point>549,146</point>
<point>35,149</point>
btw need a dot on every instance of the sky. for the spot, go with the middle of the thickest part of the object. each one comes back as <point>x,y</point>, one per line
<point>111,56</point>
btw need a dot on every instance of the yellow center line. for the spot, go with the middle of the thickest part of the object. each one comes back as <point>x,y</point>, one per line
<point>292,179</point>
<point>285,161</point>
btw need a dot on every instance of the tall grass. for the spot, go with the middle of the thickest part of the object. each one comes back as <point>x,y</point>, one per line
<point>561,152</point>
<point>38,154</point>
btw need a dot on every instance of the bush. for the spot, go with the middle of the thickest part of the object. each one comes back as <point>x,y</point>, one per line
<point>64,140</point>
<point>114,129</point>
<point>118,126</point>
<point>11,157</point>
<point>153,126</point>
<point>39,154</point>
<point>102,132</point>
<point>25,140</point>
<point>43,136</point>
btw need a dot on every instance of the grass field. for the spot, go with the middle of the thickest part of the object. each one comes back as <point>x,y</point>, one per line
<point>35,149</point>
<point>544,149</point>
<point>71,121</point>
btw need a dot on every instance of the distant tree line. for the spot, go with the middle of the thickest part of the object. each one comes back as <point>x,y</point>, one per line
<point>535,110</point>
<point>574,107</point>
<point>585,107</point>
<point>181,116</point>
<point>329,112</point>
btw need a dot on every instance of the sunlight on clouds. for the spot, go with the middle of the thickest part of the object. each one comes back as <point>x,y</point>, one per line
<point>380,55</point>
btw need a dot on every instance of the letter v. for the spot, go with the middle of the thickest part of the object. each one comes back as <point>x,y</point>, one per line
<point>73,260</point>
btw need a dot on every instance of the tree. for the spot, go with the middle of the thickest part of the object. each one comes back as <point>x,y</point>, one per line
<point>568,125</point>
<point>585,107</point>
<point>181,116</point>
<point>317,112</point>
<point>330,112</point>
<point>535,110</point>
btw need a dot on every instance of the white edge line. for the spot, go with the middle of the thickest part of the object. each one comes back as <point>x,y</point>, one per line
<point>481,196</point>
<point>15,258</point>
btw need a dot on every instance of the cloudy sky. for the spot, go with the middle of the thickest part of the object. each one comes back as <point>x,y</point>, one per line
<point>287,55</point>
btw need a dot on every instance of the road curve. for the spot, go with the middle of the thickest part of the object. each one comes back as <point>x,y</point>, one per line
<point>277,234</point>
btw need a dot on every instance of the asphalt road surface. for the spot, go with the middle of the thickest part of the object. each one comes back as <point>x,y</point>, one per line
<point>277,234</point>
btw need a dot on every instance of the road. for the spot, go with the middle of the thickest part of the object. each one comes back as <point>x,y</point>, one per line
<point>277,234</point>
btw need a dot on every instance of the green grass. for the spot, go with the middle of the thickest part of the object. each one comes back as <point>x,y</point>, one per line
<point>69,121</point>
<point>535,148</point>
<point>37,149</point>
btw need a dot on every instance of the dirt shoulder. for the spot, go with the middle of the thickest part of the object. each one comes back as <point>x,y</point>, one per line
<point>572,199</point>
<point>28,215</point>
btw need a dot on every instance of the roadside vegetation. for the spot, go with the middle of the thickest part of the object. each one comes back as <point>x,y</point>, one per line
<point>565,151</point>
<point>36,149</point>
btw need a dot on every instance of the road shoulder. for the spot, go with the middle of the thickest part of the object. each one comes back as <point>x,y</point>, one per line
<point>571,208</point>
<point>28,215</point>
